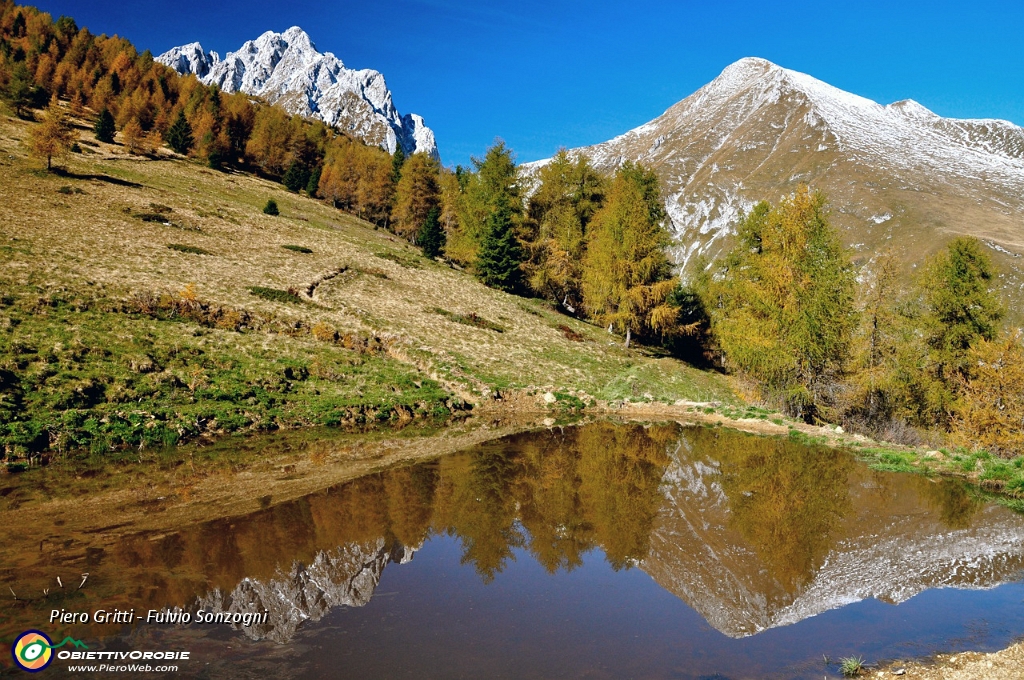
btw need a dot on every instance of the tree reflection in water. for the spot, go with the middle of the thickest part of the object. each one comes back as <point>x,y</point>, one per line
<point>770,511</point>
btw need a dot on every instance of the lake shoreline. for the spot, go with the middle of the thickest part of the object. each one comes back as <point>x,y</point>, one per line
<point>1006,664</point>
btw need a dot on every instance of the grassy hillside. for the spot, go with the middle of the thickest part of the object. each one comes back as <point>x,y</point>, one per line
<point>146,300</point>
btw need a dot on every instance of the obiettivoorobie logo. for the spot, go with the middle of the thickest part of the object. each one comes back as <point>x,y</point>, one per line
<point>33,650</point>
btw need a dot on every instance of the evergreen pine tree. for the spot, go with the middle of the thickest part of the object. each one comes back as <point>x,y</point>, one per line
<point>271,208</point>
<point>500,256</point>
<point>20,89</point>
<point>179,135</point>
<point>397,161</point>
<point>104,127</point>
<point>431,236</point>
<point>296,177</point>
<point>313,185</point>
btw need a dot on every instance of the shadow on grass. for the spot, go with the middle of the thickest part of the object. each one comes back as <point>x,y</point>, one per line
<point>64,172</point>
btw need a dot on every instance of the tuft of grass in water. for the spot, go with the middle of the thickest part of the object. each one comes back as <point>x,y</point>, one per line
<point>851,666</point>
<point>182,248</point>
<point>298,249</point>
<point>276,295</point>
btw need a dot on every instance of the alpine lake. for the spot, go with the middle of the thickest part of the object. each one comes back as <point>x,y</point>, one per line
<point>603,550</point>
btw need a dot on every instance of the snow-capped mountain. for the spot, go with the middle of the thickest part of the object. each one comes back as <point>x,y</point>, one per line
<point>887,537</point>
<point>286,69</point>
<point>344,576</point>
<point>895,175</point>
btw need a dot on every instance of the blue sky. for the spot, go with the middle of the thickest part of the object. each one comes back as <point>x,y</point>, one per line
<point>544,74</point>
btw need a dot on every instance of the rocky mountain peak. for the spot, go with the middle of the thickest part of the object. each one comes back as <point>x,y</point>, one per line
<point>286,69</point>
<point>897,176</point>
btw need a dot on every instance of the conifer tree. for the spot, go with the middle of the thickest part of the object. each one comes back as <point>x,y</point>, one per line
<point>496,178</point>
<point>781,303</point>
<point>54,136</point>
<point>627,277</point>
<point>104,127</point>
<point>133,137</point>
<point>397,163</point>
<point>20,89</point>
<point>961,309</point>
<point>500,256</point>
<point>296,177</point>
<point>431,236</point>
<point>570,192</point>
<point>416,194</point>
<point>313,184</point>
<point>179,135</point>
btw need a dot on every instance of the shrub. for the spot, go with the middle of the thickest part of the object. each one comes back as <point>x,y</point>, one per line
<point>298,249</point>
<point>324,333</point>
<point>275,294</point>
<point>271,208</point>
<point>570,334</point>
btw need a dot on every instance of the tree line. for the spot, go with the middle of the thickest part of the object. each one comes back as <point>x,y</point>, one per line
<point>784,309</point>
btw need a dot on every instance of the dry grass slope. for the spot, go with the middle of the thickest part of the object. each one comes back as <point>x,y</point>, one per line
<point>114,226</point>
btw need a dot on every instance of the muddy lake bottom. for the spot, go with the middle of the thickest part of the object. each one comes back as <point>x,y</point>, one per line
<point>601,551</point>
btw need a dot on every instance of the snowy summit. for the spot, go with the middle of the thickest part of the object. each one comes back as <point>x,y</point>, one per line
<point>286,69</point>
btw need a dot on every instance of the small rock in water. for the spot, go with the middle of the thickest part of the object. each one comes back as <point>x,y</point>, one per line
<point>549,398</point>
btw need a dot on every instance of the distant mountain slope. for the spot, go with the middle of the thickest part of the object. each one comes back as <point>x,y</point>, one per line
<point>286,69</point>
<point>888,539</point>
<point>896,175</point>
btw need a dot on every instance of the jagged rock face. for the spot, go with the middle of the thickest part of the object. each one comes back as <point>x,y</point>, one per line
<point>896,175</point>
<point>286,69</point>
<point>886,543</point>
<point>347,576</point>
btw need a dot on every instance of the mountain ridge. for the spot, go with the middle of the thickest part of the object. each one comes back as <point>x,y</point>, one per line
<point>897,175</point>
<point>287,69</point>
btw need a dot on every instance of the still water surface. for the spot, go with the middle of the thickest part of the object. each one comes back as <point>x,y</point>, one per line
<point>604,551</point>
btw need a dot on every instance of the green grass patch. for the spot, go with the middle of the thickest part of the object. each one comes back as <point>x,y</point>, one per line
<point>895,461</point>
<point>77,377</point>
<point>276,295</point>
<point>406,260</point>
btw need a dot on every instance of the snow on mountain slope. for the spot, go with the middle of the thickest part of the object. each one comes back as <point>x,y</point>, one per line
<point>344,576</point>
<point>286,69</point>
<point>758,131</point>
<point>889,541</point>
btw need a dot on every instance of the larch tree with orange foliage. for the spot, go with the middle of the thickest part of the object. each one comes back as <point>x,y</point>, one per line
<point>782,303</point>
<point>54,136</point>
<point>416,194</point>
<point>627,278</point>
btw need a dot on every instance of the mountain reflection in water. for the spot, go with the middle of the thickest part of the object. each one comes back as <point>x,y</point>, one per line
<point>752,533</point>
